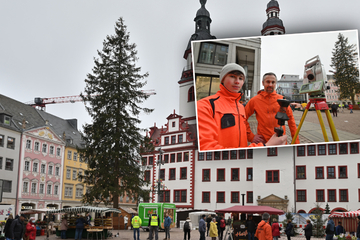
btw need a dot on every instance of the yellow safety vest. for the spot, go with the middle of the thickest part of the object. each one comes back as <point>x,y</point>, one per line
<point>154,221</point>
<point>136,222</point>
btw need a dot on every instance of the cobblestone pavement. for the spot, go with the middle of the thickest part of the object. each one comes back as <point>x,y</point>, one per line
<point>175,234</point>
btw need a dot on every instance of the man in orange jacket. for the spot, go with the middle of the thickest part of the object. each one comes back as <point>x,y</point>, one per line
<point>221,118</point>
<point>265,105</point>
<point>263,231</point>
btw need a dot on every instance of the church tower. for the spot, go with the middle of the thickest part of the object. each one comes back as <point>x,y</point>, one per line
<point>186,85</point>
<point>273,24</point>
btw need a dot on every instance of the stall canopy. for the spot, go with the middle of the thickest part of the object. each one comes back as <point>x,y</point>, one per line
<point>345,214</point>
<point>35,211</point>
<point>250,210</point>
<point>83,209</point>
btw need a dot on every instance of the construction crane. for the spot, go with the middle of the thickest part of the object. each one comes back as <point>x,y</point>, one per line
<point>42,102</point>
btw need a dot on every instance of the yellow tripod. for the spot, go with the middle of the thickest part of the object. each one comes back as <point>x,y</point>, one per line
<point>320,104</point>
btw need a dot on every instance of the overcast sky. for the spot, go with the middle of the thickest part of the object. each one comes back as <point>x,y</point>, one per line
<point>47,47</point>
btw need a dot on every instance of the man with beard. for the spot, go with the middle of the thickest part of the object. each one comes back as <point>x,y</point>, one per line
<point>265,105</point>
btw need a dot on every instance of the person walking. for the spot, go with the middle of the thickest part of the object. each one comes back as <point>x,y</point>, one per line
<point>251,228</point>
<point>308,229</point>
<point>187,228</point>
<point>63,227</point>
<point>126,220</point>
<point>136,223</point>
<point>275,229</point>
<point>339,229</point>
<point>17,228</point>
<point>289,229</point>
<point>330,229</point>
<point>351,107</point>
<point>154,222</point>
<point>79,224</point>
<point>9,220</point>
<point>222,226</point>
<point>334,108</point>
<point>213,229</point>
<point>167,223</point>
<point>202,227</point>
<point>30,232</point>
<point>263,231</point>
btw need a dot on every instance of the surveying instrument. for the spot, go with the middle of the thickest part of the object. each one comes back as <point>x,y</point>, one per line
<point>314,85</point>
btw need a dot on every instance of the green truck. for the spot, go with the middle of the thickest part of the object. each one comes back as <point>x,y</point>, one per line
<point>146,209</point>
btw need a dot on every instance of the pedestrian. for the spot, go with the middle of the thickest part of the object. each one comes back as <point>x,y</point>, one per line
<point>263,231</point>
<point>330,229</point>
<point>251,228</point>
<point>289,229</point>
<point>222,226</point>
<point>126,219</point>
<point>213,229</point>
<point>351,107</point>
<point>30,232</point>
<point>9,220</point>
<point>64,227</point>
<point>17,228</point>
<point>275,228</point>
<point>154,223</point>
<point>187,228</point>
<point>308,229</point>
<point>202,227</point>
<point>334,108</point>
<point>358,228</point>
<point>132,216</point>
<point>136,224</point>
<point>167,223</point>
<point>221,118</point>
<point>339,229</point>
<point>88,219</point>
<point>208,221</point>
<point>79,224</point>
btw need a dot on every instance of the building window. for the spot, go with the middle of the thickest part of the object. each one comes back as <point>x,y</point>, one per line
<point>242,154</point>
<point>320,196</point>
<point>272,152</point>
<point>209,156</point>
<point>48,189</point>
<point>166,140</point>
<point>233,154</point>
<point>301,151</point>
<point>272,176</point>
<point>186,156</point>
<point>206,175</point>
<point>35,167</point>
<point>201,156</point>
<point>235,197</point>
<point>235,174</point>
<point>249,197</point>
<point>69,154</point>
<point>68,192</point>
<point>44,148</point>
<point>225,155</point>
<point>41,188</point>
<point>162,174</point>
<point>51,151</point>
<point>321,149</point>
<point>26,167</point>
<point>354,148</point>
<point>37,146</point>
<point>172,174</point>
<point>179,157</point>
<point>180,195</point>
<point>147,176</point>
<point>330,172</point>
<point>319,172</point>
<point>11,143</point>
<point>78,192</point>
<point>57,171</point>
<point>217,155</point>
<point>58,152</point>
<point>180,138</point>
<point>56,190</point>
<point>206,197</point>
<point>25,187</point>
<point>343,148</point>
<point>220,197</point>
<point>42,168</point>
<point>50,170</point>
<point>166,196</point>
<point>2,137</point>
<point>68,173</point>
<point>213,53</point>
<point>75,156</point>
<point>301,195</point>
<point>191,94</point>
<point>311,150</point>
<point>300,172</point>
<point>173,139</point>
<point>343,195</point>
<point>172,157</point>
<point>342,171</point>
<point>28,144</point>
<point>249,153</point>
<point>331,195</point>
<point>74,174</point>
<point>151,160</point>
<point>173,124</point>
<point>9,164</point>
<point>332,149</point>
<point>33,187</point>
<point>183,173</point>
<point>249,174</point>
<point>220,175</point>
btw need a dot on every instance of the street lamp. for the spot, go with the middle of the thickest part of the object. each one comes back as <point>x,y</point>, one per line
<point>159,162</point>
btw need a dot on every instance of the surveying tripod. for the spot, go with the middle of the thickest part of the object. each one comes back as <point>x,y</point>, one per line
<point>320,104</point>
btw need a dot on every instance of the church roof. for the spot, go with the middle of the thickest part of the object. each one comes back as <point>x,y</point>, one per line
<point>272,3</point>
<point>273,22</point>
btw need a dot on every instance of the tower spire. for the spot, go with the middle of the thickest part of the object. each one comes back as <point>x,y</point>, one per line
<point>273,24</point>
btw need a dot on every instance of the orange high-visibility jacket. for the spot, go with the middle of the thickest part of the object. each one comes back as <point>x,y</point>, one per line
<point>265,106</point>
<point>221,121</point>
<point>263,231</point>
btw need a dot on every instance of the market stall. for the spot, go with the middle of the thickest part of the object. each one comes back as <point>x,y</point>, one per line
<point>41,226</point>
<point>348,220</point>
<point>239,213</point>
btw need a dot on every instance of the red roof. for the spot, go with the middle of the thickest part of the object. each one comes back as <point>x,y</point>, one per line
<point>345,214</point>
<point>250,209</point>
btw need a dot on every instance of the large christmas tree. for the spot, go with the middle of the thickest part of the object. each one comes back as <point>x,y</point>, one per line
<point>113,140</point>
<point>345,64</point>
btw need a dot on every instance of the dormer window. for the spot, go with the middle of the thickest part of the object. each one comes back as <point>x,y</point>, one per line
<point>7,120</point>
<point>173,124</point>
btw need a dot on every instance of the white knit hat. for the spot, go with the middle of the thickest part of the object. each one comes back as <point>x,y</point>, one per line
<point>229,68</point>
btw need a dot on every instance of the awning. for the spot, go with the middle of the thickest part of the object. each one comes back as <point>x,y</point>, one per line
<point>250,210</point>
<point>34,211</point>
<point>84,209</point>
<point>345,214</point>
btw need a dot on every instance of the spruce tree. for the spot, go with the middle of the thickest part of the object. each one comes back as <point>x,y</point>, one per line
<point>345,64</point>
<point>318,222</point>
<point>113,140</point>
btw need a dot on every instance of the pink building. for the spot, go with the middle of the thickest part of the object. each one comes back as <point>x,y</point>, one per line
<point>40,170</point>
